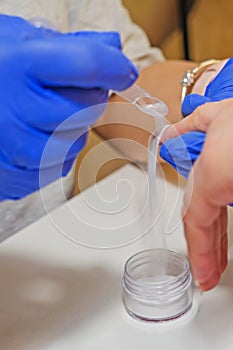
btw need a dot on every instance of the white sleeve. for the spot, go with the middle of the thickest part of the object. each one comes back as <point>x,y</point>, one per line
<point>54,11</point>
<point>102,15</point>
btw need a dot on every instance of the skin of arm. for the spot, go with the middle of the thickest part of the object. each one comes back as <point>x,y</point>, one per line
<point>127,128</point>
<point>123,122</point>
<point>209,191</point>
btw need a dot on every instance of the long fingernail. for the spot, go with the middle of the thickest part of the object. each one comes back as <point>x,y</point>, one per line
<point>197,285</point>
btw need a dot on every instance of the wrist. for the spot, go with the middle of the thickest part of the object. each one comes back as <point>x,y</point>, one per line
<point>191,78</point>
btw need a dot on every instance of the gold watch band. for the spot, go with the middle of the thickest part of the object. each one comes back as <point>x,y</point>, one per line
<point>191,76</point>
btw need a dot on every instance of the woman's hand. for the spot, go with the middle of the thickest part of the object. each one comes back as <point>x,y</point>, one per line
<point>209,190</point>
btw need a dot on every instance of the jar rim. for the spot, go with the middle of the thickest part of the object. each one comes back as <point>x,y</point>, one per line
<point>157,289</point>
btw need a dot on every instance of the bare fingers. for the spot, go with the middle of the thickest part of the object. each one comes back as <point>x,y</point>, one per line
<point>200,119</point>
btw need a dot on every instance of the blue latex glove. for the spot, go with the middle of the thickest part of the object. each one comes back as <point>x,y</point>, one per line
<point>181,152</point>
<point>46,77</point>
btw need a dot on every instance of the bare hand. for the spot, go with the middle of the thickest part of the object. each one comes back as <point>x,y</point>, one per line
<point>209,190</point>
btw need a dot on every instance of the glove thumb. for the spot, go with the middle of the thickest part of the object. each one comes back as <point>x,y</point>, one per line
<point>191,102</point>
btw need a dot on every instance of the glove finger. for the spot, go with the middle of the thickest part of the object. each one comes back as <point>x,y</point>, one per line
<point>23,183</point>
<point>27,181</point>
<point>62,147</point>
<point>182,151</point>
<point>191,102</point>
<point>73,110</point>
<point>39,149</point>
<point>67,61</point>
<point>108,38</point>
<point>84,98</point>
<point>34,131</point>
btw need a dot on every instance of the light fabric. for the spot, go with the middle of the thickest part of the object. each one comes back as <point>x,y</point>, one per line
<point>71,15</point>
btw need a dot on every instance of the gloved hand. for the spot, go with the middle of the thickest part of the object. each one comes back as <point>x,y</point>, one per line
<point>47,82</point>
<point>181,152</point>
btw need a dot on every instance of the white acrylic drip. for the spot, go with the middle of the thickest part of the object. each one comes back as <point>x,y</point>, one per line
<point>155,201</point>
<point>158,110</point>
<point>157,235</point>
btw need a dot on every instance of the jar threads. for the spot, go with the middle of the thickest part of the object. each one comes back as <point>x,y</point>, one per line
<point>157,285</point>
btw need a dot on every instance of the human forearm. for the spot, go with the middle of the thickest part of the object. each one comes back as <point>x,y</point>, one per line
<point>122,121</point>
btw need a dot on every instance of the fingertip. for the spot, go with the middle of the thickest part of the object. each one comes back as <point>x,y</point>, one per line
<point>125,75</point>
<point>169,133</point>
<point>209,283</point>
<point>207,286</point>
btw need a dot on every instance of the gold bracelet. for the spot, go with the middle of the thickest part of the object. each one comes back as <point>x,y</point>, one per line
<point>191,76</point>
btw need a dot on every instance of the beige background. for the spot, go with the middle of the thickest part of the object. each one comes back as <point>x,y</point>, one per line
<point>210,26</point>
<point>210,36</point>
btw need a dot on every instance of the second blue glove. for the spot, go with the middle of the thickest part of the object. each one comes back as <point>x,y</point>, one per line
<point>181,152</point>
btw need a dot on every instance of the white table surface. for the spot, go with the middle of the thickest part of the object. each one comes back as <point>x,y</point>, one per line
<point>56,294</point>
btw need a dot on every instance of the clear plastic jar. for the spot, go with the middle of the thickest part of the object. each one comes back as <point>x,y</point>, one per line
<point>157,285</point>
